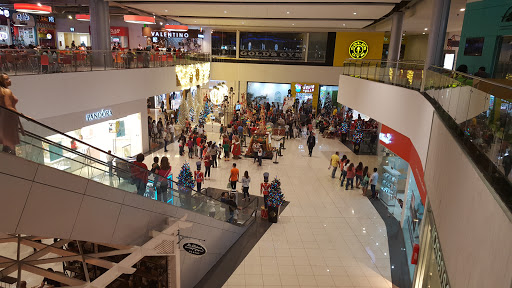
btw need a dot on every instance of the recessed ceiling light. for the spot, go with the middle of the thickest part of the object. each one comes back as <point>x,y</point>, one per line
<point>195,21</point>
<point>70,17</point>
<point>462,9</point>
<point>225,11</point>
<point>355,13</point>
<point>287,12</point>
<point>161,23</point>
<point>423,33</point>
<point>165,10</point>
<point>343,24</point>
<point>39,4</point>
<point>426,29</point>
<point>293,24</point>
<point>243,22</point>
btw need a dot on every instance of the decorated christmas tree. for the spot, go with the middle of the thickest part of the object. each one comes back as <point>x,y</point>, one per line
<point>275,196</point>
<point>192,114</point>
<point>185,178</point>
<point>328,104</point>
<point>358,132</point>
<point>182,113</point>
<point>204,113</point>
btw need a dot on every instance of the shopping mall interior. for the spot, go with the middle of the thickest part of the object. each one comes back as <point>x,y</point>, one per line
<point>222,143</point>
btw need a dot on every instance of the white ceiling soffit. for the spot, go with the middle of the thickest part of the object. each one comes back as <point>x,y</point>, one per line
<point>418,17</point>
<point>302,25</point>
<point>320,11</point>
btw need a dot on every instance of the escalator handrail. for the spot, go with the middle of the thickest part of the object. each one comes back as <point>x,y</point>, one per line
<point>72,138</point>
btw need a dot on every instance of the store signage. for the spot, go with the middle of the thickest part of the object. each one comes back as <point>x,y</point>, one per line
<point>269,54</point>
<point>358,49</point>
<point>304,88</point>
<point>23,19</point>
<point>48,36</point>
<point>71,29</point>
<point>46,19</point>
<point>438,255</point>
<point>103,113</point>
<point>194,249</point>
<point>386,138</point>
<point>4,12</point>
<point>191,33</point>
<point>4,36</point>
<point>118,31</point>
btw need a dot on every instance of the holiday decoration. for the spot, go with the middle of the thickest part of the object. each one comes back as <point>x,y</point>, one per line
<point>183,113</point>
<point>192,115</point>
<point>358,132</point>
<point>275,196</point>
<point>185,178</point>
<point>275,200</point>
<point>204,113</point>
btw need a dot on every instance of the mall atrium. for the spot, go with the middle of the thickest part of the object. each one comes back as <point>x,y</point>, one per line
<point>256,143</point>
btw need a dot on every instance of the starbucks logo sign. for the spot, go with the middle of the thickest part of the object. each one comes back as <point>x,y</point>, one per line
<point>358,49</point>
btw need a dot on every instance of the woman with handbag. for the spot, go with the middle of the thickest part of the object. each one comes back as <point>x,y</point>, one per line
<point>162,183</point>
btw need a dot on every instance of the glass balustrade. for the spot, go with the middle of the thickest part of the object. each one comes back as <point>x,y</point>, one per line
<point>76,157</point>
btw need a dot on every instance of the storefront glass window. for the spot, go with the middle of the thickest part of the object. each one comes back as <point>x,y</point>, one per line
<point>26,36</point>
<point>412,220</point>
<point>5,38</point>
<point>267,92</point>
<point>503,68</point>
<point>224,44</point>
<point>123,136</point>
<point>272,46</point>
<point>317,46</point>
<point>327,93</point>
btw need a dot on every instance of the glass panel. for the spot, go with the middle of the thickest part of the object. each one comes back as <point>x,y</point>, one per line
<point>224,44</point>
<point>317,46</point>
<point>272,46</point>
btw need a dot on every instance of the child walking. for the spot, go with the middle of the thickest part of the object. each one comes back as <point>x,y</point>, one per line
<point>245,185</point>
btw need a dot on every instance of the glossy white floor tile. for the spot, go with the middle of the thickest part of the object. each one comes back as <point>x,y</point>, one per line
<point>326,237</point>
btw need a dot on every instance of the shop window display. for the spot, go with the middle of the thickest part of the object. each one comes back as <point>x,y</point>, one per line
<point>224,44</point>
<point>413,210</point>
<point>273,45</point>
<point>267,92</point>
<point>317,47</point>
<point>122,136</point>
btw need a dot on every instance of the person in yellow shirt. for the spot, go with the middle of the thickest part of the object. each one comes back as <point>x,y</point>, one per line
<point>335,162</point>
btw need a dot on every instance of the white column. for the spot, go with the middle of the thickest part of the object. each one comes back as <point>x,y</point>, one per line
<point>437,32</point>
<point>207,40</point>
<point>237,44</point>
<point>395,41</point>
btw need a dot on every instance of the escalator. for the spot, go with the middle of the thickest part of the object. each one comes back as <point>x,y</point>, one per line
<point>72,177</point>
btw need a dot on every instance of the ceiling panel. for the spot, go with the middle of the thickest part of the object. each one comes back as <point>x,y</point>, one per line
<point>267,10</point>
<point>302,25</point>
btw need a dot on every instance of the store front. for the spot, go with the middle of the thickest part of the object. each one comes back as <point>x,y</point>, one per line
<point>262,92</point>
<point>66,39</point>
<point>329,95</point>
<point>23,29</point>
<point>46,31</point>
<point>305,93</point>
<point>119,37</point>
<point>123,136</point>
<point>431,270</point>
<point>401,187</point>
<point>189,41</point>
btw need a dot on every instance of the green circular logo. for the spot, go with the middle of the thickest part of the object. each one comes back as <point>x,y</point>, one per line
<point>358,49</point>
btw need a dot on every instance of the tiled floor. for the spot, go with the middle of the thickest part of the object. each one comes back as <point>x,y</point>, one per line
<point>326,237</point>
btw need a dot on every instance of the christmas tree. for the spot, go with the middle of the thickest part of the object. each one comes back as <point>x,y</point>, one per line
<point>328,104</point>
<point>275,196</point>
<point>192,114</point>
<point>185,178</point>
<point>358,132</point>
<point>204,114</point>
<point>182,114</point>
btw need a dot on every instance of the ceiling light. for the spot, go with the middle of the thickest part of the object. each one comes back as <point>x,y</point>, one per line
<point>287,12</point>
<point>426,29</point>
<point>355,13</point>
<point>32,8</point>
<point>165,10</point>
<point>462,9</point>
<point>423,33</point>
<point>70,17</point>
<point>139,19</point>
<point>181,28</point>
<point>83,17</point>
<point>225,11</point>
<point>293,24</point>
<point>195,21</point>
<point>243,22</point>
<point>161,23</point>
<point>343,24</point>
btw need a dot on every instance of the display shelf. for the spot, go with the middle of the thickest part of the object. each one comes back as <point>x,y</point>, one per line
<point>388,185</point>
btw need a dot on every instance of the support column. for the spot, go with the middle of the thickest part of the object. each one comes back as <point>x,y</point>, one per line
<point>100,31</point>
<point>395,41</point>
<point>437,33</point>
<point>237,44</point>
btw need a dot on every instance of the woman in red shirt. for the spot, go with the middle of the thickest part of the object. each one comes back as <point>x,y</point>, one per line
<point>359,174</point>
<point>162,183</point>
<point>139,172</point>
<point>351,173</point>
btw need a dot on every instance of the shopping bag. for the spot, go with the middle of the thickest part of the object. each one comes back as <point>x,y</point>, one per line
<point>264,212</point>
<point>229,185</point>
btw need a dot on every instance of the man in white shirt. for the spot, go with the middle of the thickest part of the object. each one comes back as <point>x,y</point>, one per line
<point>373,182</point>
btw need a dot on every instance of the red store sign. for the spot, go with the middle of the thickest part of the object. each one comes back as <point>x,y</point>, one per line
<point>118,31</point>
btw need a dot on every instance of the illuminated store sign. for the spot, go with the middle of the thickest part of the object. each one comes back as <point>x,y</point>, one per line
<point>304,88</point>
<point>271,54</point>
<point>23,17</point>
<point>166,34</point>
<point>386,138</point>
<point>103,113</point>
<point>358,49</point>
<point>5,12</point>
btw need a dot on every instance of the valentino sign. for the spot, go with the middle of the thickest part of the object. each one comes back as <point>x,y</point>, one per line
<point>194,249</point>
<point>103,113</point>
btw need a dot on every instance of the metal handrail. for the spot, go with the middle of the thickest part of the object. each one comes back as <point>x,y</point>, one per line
<point>470,77</point>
